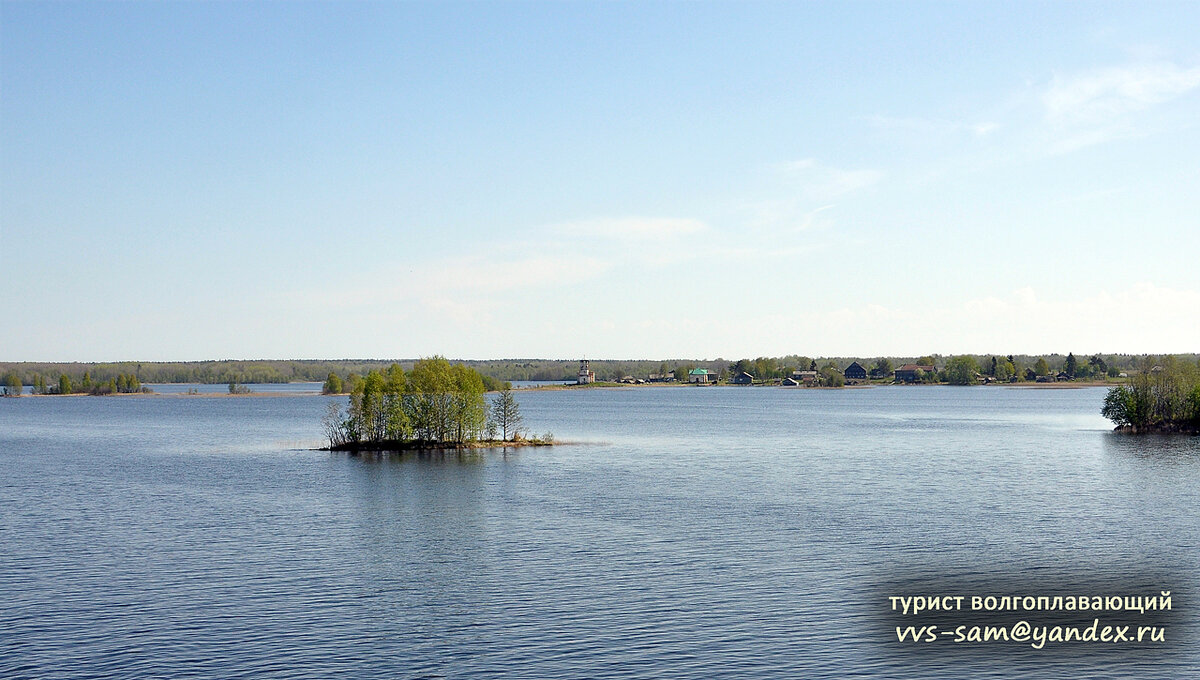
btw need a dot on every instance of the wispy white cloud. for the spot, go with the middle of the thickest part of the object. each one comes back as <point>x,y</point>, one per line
<point>1100,95</point>
<point>799,196</point>
<point>445,284</point>
<point>933,126</point>
<point>1103,105</point>
<point>819,182</point>
<point>496,278</point>
<point>1065,113</point>
<point>813,219</point>
<point>640,229</point>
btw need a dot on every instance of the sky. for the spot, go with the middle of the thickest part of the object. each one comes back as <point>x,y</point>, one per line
<point>211,180</point>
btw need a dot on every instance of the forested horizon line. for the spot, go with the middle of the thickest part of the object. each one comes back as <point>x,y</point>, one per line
<point>216,371</point>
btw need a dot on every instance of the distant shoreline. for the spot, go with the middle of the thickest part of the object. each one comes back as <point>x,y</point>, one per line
<point>569,387</point>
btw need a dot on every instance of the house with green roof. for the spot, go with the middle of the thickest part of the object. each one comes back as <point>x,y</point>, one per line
<point>702,376</point>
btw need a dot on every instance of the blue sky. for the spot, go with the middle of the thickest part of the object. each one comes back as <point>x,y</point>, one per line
<point>483,180</point>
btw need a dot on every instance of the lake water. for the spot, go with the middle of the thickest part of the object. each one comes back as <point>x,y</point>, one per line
<point>684,533</point>
<point>223,388</point>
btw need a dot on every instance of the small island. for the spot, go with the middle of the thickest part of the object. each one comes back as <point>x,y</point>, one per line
<point>1162,397</point>
<point>436,405</point>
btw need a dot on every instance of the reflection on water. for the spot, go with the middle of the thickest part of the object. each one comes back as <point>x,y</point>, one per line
<point>1160,449</point>
<point>700,533</point>
<point>422,456</point>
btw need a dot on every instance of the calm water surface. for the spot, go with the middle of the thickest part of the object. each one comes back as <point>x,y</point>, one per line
<point>686,533</point>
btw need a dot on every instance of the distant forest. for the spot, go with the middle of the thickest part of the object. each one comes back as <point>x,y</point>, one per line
<point>278,371</point>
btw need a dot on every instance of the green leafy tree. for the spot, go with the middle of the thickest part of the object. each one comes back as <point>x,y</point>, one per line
<point>429,399</point>
<point>1164,391</point>
<point>1041,367</point>
<point>64,384</point>
<point>1126,406</point>
<point>469,407</point>
<point>396,424</point>
<point>333,384</point>
<point>12,385</point>
<point>831,375</point>
<point>491,384</point>
<point>368,407</point>
<point>1005,370</point>
<point>435,403</point>
<point>882,369</point>
<point>961,370</point>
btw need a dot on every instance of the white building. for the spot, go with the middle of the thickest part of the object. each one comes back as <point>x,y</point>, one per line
<point>585,376</point>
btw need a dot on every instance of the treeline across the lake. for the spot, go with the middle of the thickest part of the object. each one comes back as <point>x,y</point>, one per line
<point>959,369</point>
<point>946,369</point>
<point>204,372</point>
<point>435,403</point>
<point>63,384</point>
<point>1163,395</point>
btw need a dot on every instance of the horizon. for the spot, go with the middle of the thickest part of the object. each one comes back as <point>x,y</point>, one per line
<point>503,179</point>
<point>731,358</point>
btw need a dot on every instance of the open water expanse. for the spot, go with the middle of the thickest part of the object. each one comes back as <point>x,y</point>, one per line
<point>684,533</point>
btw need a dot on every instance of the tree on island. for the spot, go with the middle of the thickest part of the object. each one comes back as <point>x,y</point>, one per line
<point>334,425</point>
<point>506,415</point>
<point>434,404</point>
<point>1164,394</point>
<point>333,385</point>
<point>12,385</point>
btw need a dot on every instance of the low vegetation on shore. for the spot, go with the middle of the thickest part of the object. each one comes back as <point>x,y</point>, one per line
<point>121,384</point>
<point>1163,396</point>
<point>348,376</point>
<point>1097,367</point>
<point>435,405</point>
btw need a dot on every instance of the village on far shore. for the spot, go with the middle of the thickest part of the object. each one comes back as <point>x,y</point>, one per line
<point>957,371</point>
<point>339,375</point>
